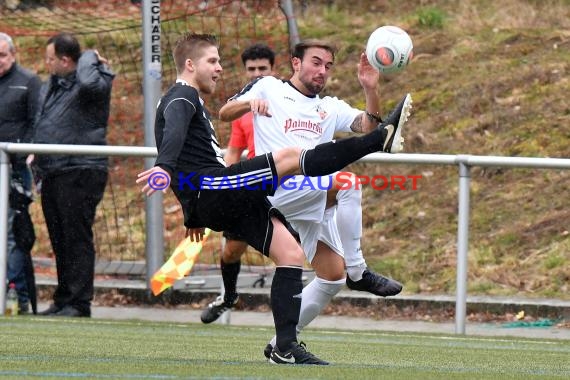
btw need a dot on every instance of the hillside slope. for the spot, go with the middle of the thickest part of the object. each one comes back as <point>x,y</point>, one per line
<point>488,78</point>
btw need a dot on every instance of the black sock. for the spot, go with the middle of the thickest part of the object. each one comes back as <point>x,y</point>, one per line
<point>230,273</point>
<point>286,290</point>
<point>333,156</point>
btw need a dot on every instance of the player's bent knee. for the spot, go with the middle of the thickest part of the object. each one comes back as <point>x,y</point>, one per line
<point>294,257</point>
<point>327,263</point>
<point>232,256</point>
<point>233,251</point>
<point>329,271</point>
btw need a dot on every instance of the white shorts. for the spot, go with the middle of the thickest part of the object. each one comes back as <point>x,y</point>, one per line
<point>303,200</point>
<point>311,232</point>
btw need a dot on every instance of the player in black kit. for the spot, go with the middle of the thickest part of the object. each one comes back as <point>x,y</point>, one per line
<point>233,198</point>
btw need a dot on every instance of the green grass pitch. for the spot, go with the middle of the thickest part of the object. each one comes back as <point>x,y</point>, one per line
<point>46,348</point>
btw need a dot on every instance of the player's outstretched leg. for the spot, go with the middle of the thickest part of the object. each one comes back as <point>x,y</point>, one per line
<point>332,156</point>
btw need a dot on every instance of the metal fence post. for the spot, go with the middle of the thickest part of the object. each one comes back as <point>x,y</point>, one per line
<point>152,82</point>
<point>462,245</point>
<point>4,189</point>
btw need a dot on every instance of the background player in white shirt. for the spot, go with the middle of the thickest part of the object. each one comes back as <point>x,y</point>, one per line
<point>290,113</point>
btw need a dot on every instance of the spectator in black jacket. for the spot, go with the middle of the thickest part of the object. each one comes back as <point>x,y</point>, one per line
<point>19,89</point>
<point>74,109</point>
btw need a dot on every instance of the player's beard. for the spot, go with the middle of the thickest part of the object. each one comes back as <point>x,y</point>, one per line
<point>206,85</point>
<point>313,87</point>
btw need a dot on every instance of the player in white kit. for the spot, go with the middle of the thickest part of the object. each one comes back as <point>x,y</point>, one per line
<point>328,220</point>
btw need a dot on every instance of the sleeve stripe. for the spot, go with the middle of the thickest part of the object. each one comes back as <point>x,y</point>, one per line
<point>186,100</point>
<point>245,89</point>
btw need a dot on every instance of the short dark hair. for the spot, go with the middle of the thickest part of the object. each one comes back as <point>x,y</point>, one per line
<point>66,44</point>
<point>189,46</point>
<point>258,51</point>
<point>301,47</point>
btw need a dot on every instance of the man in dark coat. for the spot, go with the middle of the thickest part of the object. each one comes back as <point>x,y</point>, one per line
<point>74,109</point>
<point>19,89</point>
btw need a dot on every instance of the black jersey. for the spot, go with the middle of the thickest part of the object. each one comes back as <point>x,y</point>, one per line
<point>185,136</point>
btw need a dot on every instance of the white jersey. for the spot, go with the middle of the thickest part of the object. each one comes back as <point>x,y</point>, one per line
<point>302,121</point>
<point>297,120</point>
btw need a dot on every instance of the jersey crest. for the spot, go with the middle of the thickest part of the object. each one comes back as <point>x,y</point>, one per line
<point>321,111</point>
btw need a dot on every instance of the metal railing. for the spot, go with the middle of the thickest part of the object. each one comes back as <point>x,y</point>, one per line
<point>464,163</point>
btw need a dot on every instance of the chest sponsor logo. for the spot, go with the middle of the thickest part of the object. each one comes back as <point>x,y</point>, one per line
<point>303,125</point>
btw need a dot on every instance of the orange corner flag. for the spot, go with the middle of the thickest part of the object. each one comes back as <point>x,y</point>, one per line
<point>178,265</point>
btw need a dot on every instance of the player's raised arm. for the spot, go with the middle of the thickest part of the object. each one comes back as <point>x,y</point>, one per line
<point>369,79</point>
<point>235,109</point>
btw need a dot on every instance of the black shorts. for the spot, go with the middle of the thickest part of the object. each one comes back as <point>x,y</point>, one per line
<point>234,199</point>
<point>233,236</point>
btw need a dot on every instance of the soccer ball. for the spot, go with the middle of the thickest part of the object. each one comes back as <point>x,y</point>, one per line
<point>389,49</point>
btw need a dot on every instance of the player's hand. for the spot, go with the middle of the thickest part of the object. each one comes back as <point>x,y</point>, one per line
<point>153,179</point>
<point>260,107</point>
<point>195,234</point>
<point>368,76</point>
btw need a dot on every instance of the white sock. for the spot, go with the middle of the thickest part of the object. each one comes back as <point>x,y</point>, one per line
<point>355,272</point>
<point>316,295</point>
<point>349,222</point>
